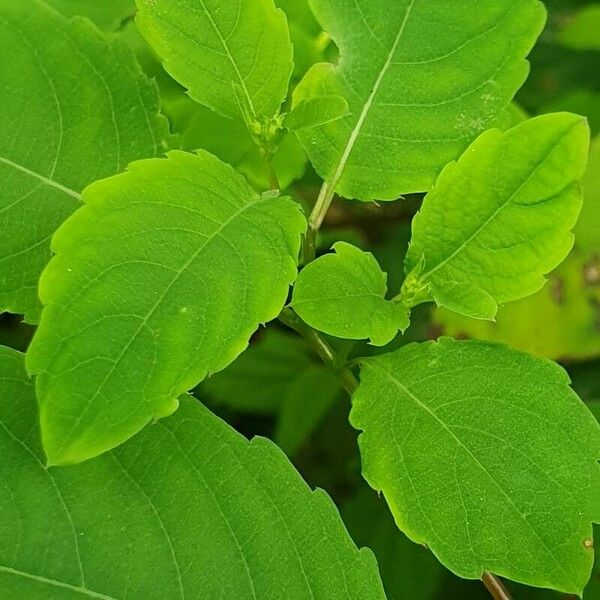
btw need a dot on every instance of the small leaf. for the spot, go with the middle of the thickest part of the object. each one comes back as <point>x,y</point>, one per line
<point>188,509</point>
<point>230,140</point>
<point>315,112</point>
<point>486,455</point>
<point>499,218</point>
<point>422,78</point>
<point>218,49</point>
<point>160,279</point>
<point>343,294</point>
<point>76,108</point>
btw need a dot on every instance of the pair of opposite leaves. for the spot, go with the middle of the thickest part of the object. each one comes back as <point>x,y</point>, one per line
<point>132,342</point>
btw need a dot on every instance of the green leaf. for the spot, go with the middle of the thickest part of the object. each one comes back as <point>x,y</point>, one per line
<point>259,379</point>
<point>75,109</point>
<point>230,140</point>
<point>583,31</point>
<point>422,79</point>
<point>158,281</point>
<point>499,218</point>
<point>486,455</point>
<point>108,15</point>
<point>306,401</point>
<point>112,528</point>
<point>309,41</point>
<point>223,52</point>
<point>314,112</point>
<point>343,294</point>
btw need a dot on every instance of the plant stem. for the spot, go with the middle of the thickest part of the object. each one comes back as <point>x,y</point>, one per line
<point>495,587</point>
<point>316,220</point>
<point>271,174</point>
<point>321,346</point>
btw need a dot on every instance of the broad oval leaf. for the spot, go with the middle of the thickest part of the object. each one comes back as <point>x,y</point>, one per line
<point>187,509</point>
<point>343,294</point>
<point>234,57</point>
<point>160,279</point>
<point>422,78</point>
<point>76,108</point>
<point>499,218</point>
<point>486,455</point>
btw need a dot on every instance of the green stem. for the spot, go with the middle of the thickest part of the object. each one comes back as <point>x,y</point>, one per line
<point>322,347</point>
<point>495,587</point>
<point>316,220</point>
<point>271,174</point>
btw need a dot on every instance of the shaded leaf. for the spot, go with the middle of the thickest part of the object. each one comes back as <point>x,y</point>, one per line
<point>158,281</point>
<point>408,571</point>
<point>486,455</point>
<point>343,294</point>
<point>307,399</point>
<point>499,218</point>
<point>76,108</point>
<point>422,79</point>
<point>112,528</point>
<point>224,53</point>
<point>259,379</point>
<point>583,31</point>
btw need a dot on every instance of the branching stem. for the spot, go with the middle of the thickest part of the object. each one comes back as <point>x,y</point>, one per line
<point>322,347</point>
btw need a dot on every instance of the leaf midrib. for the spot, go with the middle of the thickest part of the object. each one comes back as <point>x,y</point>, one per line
<point>56,583</point>
<point>394,380</point>
<point>499,209</point>
<point>339,172</point>
<point>45,180</point>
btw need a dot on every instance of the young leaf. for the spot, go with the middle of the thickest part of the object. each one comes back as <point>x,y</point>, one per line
<point>234,57</point>
<point>108,15</point>
<point>422,78</point>
<point>486,455</point>
<point>316,111</point>
<point>75,109</point>
<point>343,294</point>
<point>499,218</point>
<point>230,140</point>
<point>160,279</point>
<point>112,528</point>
